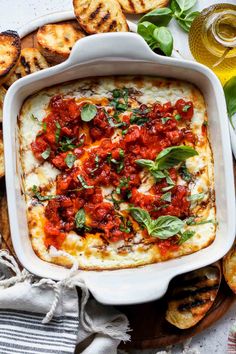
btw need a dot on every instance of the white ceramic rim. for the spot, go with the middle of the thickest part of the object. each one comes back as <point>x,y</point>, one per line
<point>225,133</point>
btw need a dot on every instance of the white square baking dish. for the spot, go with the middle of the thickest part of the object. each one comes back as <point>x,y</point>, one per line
<point>115,54</point>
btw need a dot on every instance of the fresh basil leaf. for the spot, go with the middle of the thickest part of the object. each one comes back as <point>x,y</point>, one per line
<point>88,112</point>
<point>70,159</point>
<point>169,180</point>
<point>58,132</point>
<point>230,96</point>
<point>185,5</point>
<point>146,163</point>
<point>164,39</point>
<point>146,29</point>
<point>142,217</point>
<point>186,235</point>
<point>40,197</point>
<point>157,174</point>
<point>166,197</point>
<point>196,197</point>
<point>33,117</point>
<point>166,226</point>
<point>46,153</point>
<point>80,219</point>
<point>186,21</point>
<point>83,183</point>
<point>173,155</point>
<point>159,17</point>
<point>44,126</point>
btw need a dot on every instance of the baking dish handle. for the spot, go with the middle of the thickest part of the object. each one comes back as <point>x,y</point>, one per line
<point>108,45</point>
<point>111,289</point>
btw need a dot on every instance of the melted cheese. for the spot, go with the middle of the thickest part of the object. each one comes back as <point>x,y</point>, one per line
<point>91,252</point>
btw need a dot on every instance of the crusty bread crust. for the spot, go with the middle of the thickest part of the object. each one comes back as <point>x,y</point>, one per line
<point>10,46</point>
<point>99,16</point>
<point>55,41</point>
<point>141,6</point>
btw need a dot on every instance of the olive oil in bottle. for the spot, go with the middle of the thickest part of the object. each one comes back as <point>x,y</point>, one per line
<point>212,39</point>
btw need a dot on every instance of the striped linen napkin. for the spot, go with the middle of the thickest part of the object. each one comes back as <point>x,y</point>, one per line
<point>43,316</point>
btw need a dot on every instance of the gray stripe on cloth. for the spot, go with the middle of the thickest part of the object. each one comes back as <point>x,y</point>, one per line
<point>39,326</point>
<point>34,321</point>
<point>21,349</point>
<point>41,340</point>
<point>36,314</point>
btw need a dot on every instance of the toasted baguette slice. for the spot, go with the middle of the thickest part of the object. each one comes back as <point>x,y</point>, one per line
<point>2,95</point>
<point>56,40</point>
<point>31,60</point>
<point>4,224</point>
<point>10,47</point>
<point>2,168</point>
<point>96,16</point>
<point>192,296</point>
<point>141,6</point>
<point>229,268</point>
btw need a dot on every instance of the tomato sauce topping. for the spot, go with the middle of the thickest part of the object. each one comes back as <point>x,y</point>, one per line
<point>65,138</point>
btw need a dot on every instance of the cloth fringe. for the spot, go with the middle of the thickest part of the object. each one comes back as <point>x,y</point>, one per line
<point>115,329</point>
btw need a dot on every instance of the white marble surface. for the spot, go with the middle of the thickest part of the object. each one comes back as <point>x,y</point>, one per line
<point>14,14</point>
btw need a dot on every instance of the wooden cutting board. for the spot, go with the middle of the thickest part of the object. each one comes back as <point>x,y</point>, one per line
<point>149,327</point>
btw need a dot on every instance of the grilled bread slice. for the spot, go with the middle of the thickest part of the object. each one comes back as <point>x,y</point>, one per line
<point>10,47</point>
<point>192,296</point>
<point>56,40</point>
<point>141,6</point>
<point>2,168</point>
<point>229,268</point>
<point>31,60</point>
<point>2,95</point>
<point>96,16</point>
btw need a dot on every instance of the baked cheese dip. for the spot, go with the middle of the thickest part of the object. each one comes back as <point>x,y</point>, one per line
<point>117,171</point>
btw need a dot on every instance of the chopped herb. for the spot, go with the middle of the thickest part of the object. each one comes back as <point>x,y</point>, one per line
<point>119,163</point>
<point>205,123</point>
<point>195,197</point>
<point>84,184</point>
<point>70,159</point>
<point>184,173</point>
<point>192,221</point>
<point>165,119</point>
<point>115,201</point>
<point>127,229</point>
<point>186,235</point>
<point>166,189</point>
<point>138,120</point>
<point>124,182</point>
<point>66,144</point>
<point>120,99</point>
<point>186,108</point>
<point>32,116</point>
<point>44,126</point>
<point>124,132</point>
<point>109,157</point>
<point>58,132</point>
<point>97,159</point>
<point>116,125</point>
<point>46,153</point>
<point>178,117</point>
<point>80,219</point>
<point>166,197</point>
<point>40,197</point>
<point>88,112</point>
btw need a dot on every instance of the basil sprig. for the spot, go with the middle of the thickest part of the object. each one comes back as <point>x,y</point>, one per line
<point>159,17</point>
<point>88,112</point>
<point>80,219</point>
<point>166,159</point>
<point>162,228</point>
<point>230,96</point>
<point>156,37</point>
<point>182,12</point>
